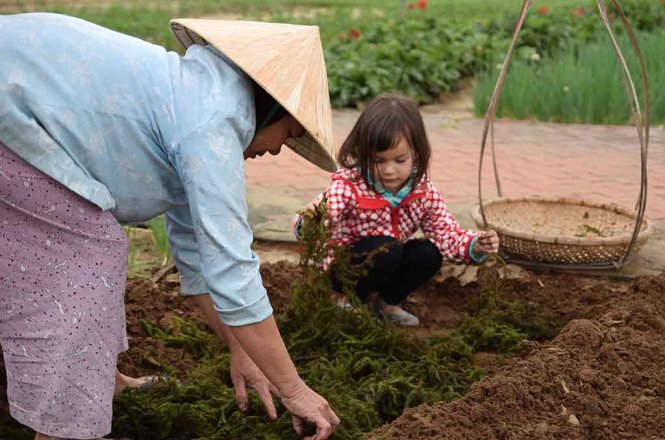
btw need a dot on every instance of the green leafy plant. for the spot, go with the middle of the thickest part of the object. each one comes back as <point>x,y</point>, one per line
<point>425,56</point>
<point>158,228</point>
<point>131,253</point>
<point>421,58</point>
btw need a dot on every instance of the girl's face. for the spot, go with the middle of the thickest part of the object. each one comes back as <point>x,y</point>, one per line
<point>394,166</point>
<point>271,138</point>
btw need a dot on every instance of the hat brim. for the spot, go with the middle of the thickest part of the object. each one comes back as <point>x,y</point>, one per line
<point>311,150</point>
<point>316,146</point>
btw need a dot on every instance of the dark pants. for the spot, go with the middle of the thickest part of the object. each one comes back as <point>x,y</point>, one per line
<point>395,272</point>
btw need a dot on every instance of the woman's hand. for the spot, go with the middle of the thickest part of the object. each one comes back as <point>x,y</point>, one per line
<point>264,345</point>
<point>487,243</point>
<point>245,373</point>
<point>307,406</point>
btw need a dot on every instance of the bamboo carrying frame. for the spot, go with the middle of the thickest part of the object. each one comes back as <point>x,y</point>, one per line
<point>556,246</point>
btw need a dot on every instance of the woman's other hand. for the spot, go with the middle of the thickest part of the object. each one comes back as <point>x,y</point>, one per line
<point>305,405</point>
<point>245,373</point>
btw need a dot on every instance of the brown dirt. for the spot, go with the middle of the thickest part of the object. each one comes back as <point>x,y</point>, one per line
<point>156,303</point>
<point>599,379</point>
<point>159,302</point>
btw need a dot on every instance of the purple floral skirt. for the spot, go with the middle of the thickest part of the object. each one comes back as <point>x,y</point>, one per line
<point>63,266</point>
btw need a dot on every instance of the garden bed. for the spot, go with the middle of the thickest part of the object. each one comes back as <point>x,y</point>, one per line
<point>598,378</point>
<point>602,370</point>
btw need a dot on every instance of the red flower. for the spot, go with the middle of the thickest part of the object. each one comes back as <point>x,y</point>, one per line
<point>422,4</point>
<point>578,12</point>
<point>543,10</point>
<point>354,33</point>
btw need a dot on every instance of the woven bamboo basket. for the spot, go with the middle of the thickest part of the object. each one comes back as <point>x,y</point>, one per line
<point>563,231</point>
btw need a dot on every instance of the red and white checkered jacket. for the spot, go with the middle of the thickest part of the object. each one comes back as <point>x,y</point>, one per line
<point>356,210</point>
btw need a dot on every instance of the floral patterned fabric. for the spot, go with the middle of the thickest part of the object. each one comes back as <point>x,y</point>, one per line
<point>62,315</point>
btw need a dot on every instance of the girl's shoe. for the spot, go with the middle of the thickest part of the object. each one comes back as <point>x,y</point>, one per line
<point>344,305</point>
<point>341,301</point>
<point>395,314</point>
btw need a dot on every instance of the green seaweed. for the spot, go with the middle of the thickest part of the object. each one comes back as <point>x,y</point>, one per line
<point>590,230</point>
<point>367,369</point>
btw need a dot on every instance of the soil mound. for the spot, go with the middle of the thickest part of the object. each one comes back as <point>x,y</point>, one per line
<point>600,378</point>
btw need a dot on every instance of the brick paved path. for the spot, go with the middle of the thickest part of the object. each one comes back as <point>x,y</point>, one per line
<point>598,163</point>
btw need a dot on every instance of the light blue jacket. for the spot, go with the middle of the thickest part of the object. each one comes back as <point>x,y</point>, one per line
<point>140,132</point>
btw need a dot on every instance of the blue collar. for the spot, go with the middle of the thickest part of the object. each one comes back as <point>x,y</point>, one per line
<point>394,199</point>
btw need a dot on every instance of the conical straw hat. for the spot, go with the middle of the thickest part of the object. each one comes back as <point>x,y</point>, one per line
<point>287,61</point>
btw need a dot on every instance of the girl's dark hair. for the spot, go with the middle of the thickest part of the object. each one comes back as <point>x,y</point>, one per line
<point>379,127</point>
<point>263,104</point>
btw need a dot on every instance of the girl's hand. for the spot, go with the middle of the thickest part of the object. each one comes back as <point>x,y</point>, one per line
<point>311,206</point>
<point>487,243</point>
<point>307,406</point>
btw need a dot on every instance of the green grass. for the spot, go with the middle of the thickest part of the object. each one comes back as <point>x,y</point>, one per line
<point>355,76</point>
<point>582,85</point>
<point>158,228</point>
<point>149,20</point>
<point>144,252</point>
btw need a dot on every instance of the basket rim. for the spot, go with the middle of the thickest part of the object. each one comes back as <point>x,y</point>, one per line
<point>558,239</point>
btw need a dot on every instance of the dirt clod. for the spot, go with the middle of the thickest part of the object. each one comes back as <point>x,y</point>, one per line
<point>587,375</point>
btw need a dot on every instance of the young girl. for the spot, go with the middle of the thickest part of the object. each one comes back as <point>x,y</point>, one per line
<point>381,197</point>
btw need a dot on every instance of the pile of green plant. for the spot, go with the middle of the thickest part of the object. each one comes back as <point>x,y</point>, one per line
<point>580,85</point>
<point>368,370</point>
